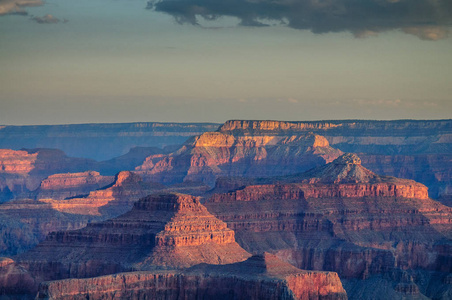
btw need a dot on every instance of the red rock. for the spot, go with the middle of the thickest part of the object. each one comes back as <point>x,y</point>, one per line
<point>161,231</point>
<point>109,201</point>
<point>61,186</point>
<point>339,217</point>
<point>215,154</point>
<point>22,170</point>
<point>259,277</point>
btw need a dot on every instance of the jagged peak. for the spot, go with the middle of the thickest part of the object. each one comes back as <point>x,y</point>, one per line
<point>345,169</point>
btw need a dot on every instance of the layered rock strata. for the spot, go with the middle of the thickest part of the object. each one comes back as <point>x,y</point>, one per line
<point>413,149</point>
<point>67,185</point>
<point>339,217</point>
<point>109,201</point>
<point>22,171</point>
<point>259,277</point>
<point>161,231</point>
<point>213,154</point>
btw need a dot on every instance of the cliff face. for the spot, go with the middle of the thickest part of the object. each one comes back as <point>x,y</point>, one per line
<point>214,154</point>
<point>433,170</point>
<point>340,217</point>
<point>259,277</point>
<point>22,171</point>
<point>109,201</point>
<point>161,231</point>
<point>61,186</point>
<point>412,149</point>
<point>100,141</point>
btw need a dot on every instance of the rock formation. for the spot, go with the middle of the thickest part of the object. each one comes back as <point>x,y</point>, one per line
<point>412,149</point>
<point>109,201</point>
<point>213,154</point>
<point>340,217</point>
<point>161,231</point>
<point>67,185</point>
<point>259,277</point>
<point>23,170</point>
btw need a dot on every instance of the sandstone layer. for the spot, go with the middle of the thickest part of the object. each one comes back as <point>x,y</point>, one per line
<point>412,149</point>
<point>259,277</point>
<point>211,155</point>
<point>109,201</point>
<point>340,217</point>
<point>67,185</point>
<point>22,171</point>
<point>161,231</point>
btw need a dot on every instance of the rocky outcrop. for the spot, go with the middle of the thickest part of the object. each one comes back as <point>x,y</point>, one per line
<point>109,201</point>
<point>259,277</point>
<point>413,149</point>
<point>214,154</point>
<point>62,186</point>
<point>23,170</point>
<point>339,217</point>
<point>161,231</point>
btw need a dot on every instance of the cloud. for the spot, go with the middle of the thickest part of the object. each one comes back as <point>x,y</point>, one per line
<point>17,6</point>
<point>428,33</point>
<point>47,19</point>
<point>427,19</point>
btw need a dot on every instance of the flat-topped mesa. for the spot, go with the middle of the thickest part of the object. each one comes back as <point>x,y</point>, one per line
<point>161,231</point>
<point>274,126</point>
<point>61,186</point>
<point>23,170</point>
<point>340,127</point>
<point>213,154</point>
<point>261,277</point>
<point>109,201</point>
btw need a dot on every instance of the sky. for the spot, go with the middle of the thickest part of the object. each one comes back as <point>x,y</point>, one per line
<point>97,61</point>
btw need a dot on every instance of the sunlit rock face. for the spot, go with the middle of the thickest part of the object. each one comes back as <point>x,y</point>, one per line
<point>340,217</point>
<point>22,171</point>
<point>165,231</point>
<point>413,149</point>
<point>260,277</point>
<point>223,153</point>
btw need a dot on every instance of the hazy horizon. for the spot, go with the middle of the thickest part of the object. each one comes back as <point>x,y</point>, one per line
<point>102,61</point>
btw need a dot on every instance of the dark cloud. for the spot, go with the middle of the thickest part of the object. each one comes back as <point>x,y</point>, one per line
<point>17,6</point>
<point>48,19</point>
<point>427,19</point>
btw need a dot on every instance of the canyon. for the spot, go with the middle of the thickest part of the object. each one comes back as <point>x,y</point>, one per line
<point>342,217</point>
<point>193,214</point>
